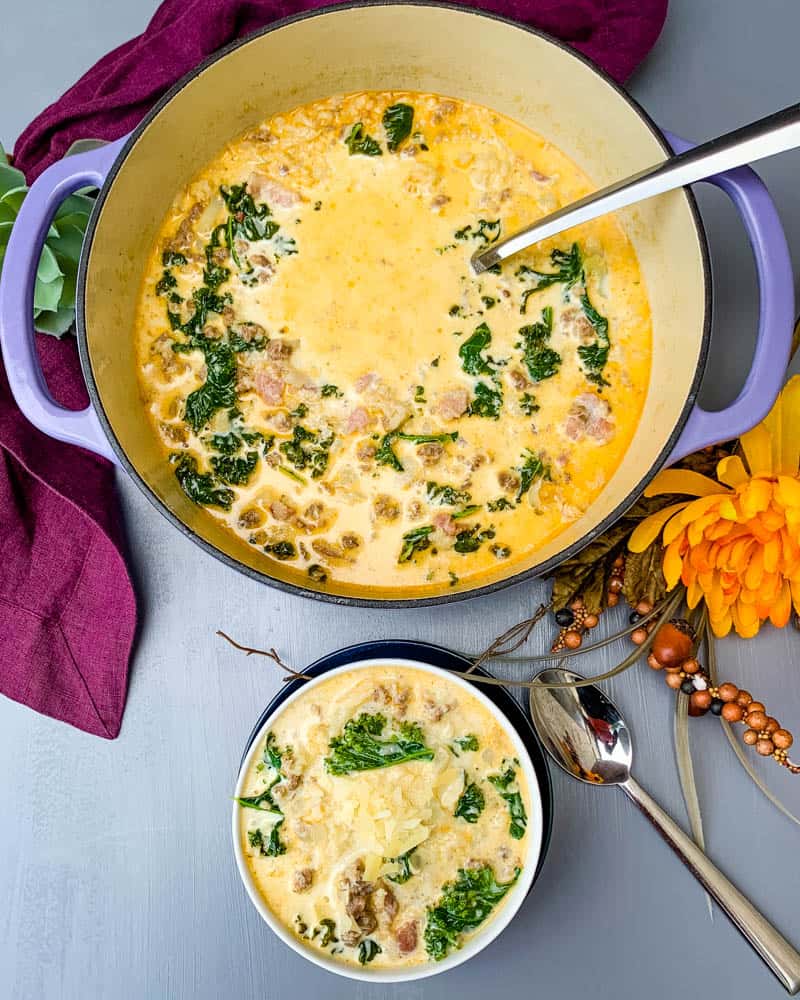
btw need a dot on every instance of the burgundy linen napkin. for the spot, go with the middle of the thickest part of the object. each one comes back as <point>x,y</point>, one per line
<point>67,608</point>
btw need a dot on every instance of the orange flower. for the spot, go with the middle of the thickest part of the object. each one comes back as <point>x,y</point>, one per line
<point>737,545</point>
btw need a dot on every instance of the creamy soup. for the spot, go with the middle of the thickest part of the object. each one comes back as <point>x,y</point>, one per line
<point>332,381</point>
<point>385,817</point>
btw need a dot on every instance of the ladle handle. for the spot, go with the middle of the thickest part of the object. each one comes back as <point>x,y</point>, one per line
<point>776,952</point>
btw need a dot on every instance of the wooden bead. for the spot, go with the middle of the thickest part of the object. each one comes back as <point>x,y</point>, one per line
<point>782,739</point>
<point>750,737</point>
<point>671,645</point>
<point>690,666</point>
<point>643,608</point>
<point>756,720</point>
<point>673,679</point>
<point>619,561</point>
<point>755,706</point>
<point>612,600</point>
<point>765,747</point>
<point>731,712</point>
<point>701,699</point>
<point>572,640</point>
<point>638,636</point>
<point>615,585</point>
<point>728,692</point>
<point>653,663</point>
<point>696,712</point>
<point>743,698</point>
<point>590,621</point>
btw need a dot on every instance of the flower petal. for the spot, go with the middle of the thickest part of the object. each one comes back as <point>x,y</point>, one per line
<point>757,448</point>
<point>781,608</point>
<point>790,428</point>
<point>682,481</point>
<point>672,565</point>
<point>647,531</point>
<point>787,492</point>
<point>721,624</point>
<point>731,471</point>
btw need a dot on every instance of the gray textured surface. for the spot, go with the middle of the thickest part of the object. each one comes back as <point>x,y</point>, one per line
<point>117,878</point>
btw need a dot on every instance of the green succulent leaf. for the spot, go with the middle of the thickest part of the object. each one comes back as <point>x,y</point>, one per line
<point>57,272</point>
<point>56,323</point>
<point>48,270</point>
<point>47,295</point>
<point>13,198</point>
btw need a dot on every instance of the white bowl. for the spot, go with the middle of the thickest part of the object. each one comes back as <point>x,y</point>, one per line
<point>481,938</point>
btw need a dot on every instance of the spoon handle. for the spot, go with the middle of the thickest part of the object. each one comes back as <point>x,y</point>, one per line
<point>774,949</point>
<point>774,134</point>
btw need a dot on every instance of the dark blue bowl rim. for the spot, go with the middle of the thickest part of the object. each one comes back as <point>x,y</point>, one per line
<point>446,659</point>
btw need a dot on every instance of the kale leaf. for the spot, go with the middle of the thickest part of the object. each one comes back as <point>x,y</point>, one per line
<point>468,742</point>
<point>358,142</point>
<point>415,541</point>
<point>470,803</point>
<point>532,468</point>
<point>232,470</point>
<point>360,747</point>
<point>397,122</point>
<point>487,402</point>
<point>274,846</point>
<point>201,487</point>
<point>516,807</point>
<point>472,360</point>
<point>445,496</point>
<point>568,271</point>
<point>594,356</point>
<point>385,455</point>
<point>367,950</point>
<point>281,550</point>
<point>405,871</point>
<point>471,539</point>
<point>246,220</point>
<point>308,450</point>
<point>219,389</point>
<point>485,232</point>
<point>541,361</point>
<point>464,904</point>
<point>501,503</point>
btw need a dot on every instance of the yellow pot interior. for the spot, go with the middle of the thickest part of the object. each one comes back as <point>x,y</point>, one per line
<point>393,46</point>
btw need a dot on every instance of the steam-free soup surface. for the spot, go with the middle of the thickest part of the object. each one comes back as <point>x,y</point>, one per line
<point>333,383</point>
<point>385,817</point>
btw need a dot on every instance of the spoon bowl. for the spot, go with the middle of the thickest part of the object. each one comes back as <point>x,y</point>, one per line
<point>581,729</point>
<point>586,735</point>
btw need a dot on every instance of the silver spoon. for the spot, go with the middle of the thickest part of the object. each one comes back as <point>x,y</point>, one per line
<point>585,735</point>
<point>774,134</point>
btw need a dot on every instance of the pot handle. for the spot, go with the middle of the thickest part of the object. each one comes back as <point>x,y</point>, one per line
<point>17,342</point>
<point>776,314</point>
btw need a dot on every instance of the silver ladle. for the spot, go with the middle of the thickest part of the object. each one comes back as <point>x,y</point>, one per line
<point>585,734</point>
<point>766,137</point>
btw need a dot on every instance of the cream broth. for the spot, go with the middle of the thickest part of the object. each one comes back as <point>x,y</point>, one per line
<point>332,381</point>
<point>354,858</point>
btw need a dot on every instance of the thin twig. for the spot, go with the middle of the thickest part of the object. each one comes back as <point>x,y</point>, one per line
<point>272,654</point>
<point>562,654</point>
<point>512,638</point>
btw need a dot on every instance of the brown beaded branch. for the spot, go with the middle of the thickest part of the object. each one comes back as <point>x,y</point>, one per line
<point>674,650</point>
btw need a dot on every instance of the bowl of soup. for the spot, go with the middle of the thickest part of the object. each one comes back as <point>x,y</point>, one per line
<point>387,820</point>
<point>285,344</point>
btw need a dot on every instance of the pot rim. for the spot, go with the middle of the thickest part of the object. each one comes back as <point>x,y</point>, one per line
<point>540,570</point>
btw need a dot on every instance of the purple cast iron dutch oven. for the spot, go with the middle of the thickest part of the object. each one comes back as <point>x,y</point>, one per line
<point>381,46</point>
